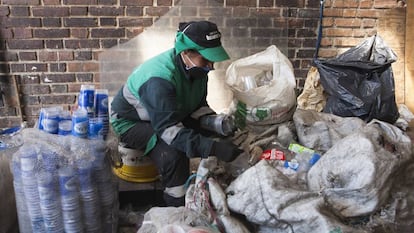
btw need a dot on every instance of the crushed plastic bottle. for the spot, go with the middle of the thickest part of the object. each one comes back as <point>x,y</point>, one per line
<point>304,158</point>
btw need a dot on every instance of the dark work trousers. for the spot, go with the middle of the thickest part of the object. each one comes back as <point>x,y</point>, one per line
<point>173,165</point>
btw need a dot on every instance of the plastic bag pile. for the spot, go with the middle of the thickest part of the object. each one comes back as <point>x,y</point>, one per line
<point>363,180</point>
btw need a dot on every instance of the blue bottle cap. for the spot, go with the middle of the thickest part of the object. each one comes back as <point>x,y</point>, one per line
<point>315,157</point>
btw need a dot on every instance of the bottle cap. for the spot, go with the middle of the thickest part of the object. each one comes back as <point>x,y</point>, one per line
<point>315,157</point>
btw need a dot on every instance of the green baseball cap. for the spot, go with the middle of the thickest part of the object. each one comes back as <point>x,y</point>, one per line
<point>202,36</point>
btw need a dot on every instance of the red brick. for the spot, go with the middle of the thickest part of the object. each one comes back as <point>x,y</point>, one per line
<point>326,42</point>
<point>82,43</point>
<point>79,2</point>
<point>8,56</point>
<point>79,32</point>
<point>369,23</point>
<point>348,22</point>
<point>106,11</point>
<point>135,22</point>
<point>346,42</point>
<point>346,3</point>
<point>53,44</point>
<point>105,33</point>
<point>291,3</point>
<point>134,11</point>
<point>327,52</point>
<point>27,56</point>
<point>164,2</point>
<point>136,3</point>
<point>57,99</point>
<point>48,56</point>
<point>39,89</point>
<point>19,11</point>
<point>156,11</point>
<point>337,32</point>
<point>6,33</point>
<point>82,55</point>
<point>21,2</point>
<point>249,3</point>
<point>367,13</point>
<point>240,12</point>
<point>65,56</point>
<point>333,12</point>
<point>83,66</point>
<point>4,10</point>
<point>107,22</point>
<point>78,11</point>
<point>385,3</point>
<point>132,32</point>
<point>59,88</point>
<point>58,78</point>
<point>25,44</point>
<point>24,22</point>
<point>350,12</point>
<point>57,67</point>
<point>84,77</point>
<point>80,22</point>
<point>328,22</point>
<point>107,2</point>
<point>50,11</point>
<point>51,22</point>
<point>51,33</point>
<point>22,33</point>
<point>266,3</point>
<point>366,3</point>
<point>51,2</point>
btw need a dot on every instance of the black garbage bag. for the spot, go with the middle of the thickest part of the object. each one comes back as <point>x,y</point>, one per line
<point>360,82</point>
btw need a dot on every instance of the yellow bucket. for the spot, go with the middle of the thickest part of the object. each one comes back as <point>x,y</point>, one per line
<point>135,166</point>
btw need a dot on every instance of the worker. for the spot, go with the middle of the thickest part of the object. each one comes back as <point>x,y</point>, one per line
<point>162,108</point>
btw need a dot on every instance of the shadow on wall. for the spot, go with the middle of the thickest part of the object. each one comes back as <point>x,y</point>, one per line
<point>239,38</point>
<point>9,97</point>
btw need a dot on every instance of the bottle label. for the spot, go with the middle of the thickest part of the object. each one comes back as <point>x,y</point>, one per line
<point>273,154</point>
<point>80,128</point>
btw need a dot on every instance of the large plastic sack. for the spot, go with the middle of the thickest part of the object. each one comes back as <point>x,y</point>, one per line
<point>271,201</point>
<point>10,141</point>
<point>174,220</point>
<point>320,131</point>
<point>264,88</point>
<point>356,175</point>
<point>360,82</point>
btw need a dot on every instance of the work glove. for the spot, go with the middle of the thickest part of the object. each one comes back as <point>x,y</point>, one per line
<point>222,124</point>
<point>225,151</point>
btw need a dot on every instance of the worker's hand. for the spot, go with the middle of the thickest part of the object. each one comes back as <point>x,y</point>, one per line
<point>225,151</point>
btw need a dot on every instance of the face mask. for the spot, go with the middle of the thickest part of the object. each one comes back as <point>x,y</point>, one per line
<point>196,71</point>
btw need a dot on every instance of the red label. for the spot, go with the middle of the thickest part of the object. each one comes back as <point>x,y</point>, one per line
<point>273,154</point>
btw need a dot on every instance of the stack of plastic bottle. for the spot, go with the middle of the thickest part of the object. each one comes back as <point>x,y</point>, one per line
<point>64,184</point>
<point>89,120</point>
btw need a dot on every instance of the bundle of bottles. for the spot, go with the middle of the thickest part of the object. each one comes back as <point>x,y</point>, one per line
<point>64,184</point>
<point>89,120</point>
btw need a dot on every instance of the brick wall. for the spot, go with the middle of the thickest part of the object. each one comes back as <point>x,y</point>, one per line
<point>50,47</point>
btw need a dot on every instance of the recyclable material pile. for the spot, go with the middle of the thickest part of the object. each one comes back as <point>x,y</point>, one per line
<point>64,184</point>
<point>305,169</point>
<point>362,182</point>
<point>62,175</point>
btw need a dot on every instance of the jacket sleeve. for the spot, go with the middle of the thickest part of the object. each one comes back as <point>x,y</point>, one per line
<point>159,98</point>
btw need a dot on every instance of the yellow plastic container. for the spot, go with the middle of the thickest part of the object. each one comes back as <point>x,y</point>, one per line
<point>135,167</point>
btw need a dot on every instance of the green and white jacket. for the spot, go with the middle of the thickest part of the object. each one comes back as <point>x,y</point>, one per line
<point>161,92</point>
